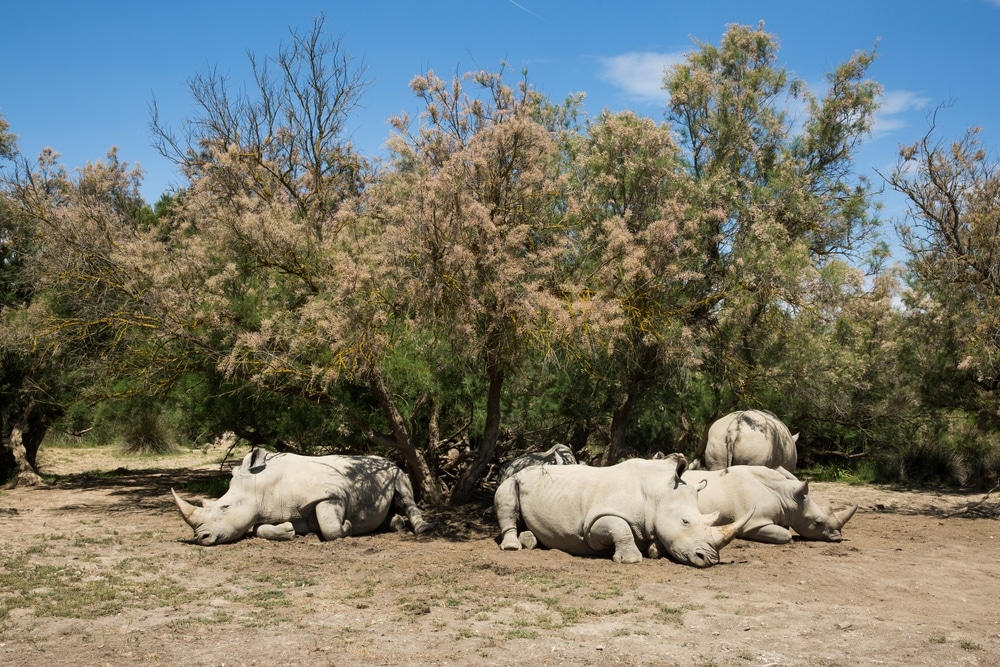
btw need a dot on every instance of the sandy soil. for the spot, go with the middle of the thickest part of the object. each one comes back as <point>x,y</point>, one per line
<point>98,569</point>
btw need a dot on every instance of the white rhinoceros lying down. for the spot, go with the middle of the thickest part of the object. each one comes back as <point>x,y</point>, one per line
<point>636,507</point>
<point>555,455</point>
<point>281,495</point>
<point>780,499</point>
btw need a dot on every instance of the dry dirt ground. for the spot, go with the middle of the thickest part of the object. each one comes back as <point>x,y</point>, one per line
<point>97,568</point>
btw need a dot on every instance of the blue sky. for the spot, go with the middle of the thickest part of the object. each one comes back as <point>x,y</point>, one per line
<point>79,77</point>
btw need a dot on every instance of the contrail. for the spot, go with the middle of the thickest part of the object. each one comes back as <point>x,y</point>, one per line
<point>523,8</point>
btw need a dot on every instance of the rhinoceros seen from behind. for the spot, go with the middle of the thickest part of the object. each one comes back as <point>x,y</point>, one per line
<point>748,437</point>
<point>623,511</point>
<point>781,501</point>
<point>554,456</point>
<point>277,496</point>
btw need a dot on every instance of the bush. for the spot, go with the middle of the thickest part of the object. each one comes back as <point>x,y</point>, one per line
<point>138,425</point>
<point>952,451</point>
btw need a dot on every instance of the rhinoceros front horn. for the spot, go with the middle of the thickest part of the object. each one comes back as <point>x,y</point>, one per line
<point>840,518</point>
<point>729,532</point>
<point>188,511</point>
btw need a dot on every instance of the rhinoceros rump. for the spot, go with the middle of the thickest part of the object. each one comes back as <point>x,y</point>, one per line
<point>781,500</point>
<point>748,437</point>
<point>635,507</point>
<point>281,495</point>
<point>553,456</point>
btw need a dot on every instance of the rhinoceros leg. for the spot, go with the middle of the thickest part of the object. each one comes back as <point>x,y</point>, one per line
<point>508,511</point>
<point>403,497</point>
<point>771,533</point>
<point>281,531</point>
<point>614,531</point>
<point>330,517</point>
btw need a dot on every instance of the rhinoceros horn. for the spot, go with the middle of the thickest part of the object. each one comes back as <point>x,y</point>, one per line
<point>726,534</point>
<point>840,518</point>
<point>188,511</point>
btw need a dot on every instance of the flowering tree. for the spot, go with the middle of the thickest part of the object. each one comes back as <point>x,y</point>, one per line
<point>777,192</point>
<point>472,216</point>
<point>952,233</point>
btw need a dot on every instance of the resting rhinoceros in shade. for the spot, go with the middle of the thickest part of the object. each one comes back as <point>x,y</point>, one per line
<point>781,501</point>
<point>624,511</point>
<point>554,456</point>
<point>748,437</point>
<point>277,496</point>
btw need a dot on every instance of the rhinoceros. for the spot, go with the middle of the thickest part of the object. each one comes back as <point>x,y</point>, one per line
<point>633,508</point>
<point>279,496</point>
<point>780,499</point>
<point>748,437</point>
<point>555,455</point>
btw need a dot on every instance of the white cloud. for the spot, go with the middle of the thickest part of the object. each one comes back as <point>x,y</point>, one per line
<point>897,109</point>
<point>640,74</point>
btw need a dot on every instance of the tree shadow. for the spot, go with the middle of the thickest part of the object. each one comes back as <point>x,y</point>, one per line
<point>133,490</point>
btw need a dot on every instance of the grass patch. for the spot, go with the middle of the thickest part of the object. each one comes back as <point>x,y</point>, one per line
<point>521,633</point>
<point>668,614</point>
<point>69,592</point>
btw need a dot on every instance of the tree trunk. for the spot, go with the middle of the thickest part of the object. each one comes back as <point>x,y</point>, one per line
<point>619,426</point>
<point>638,381</point>
<point>491,435</point>
<point>427,486</point>
<point>26,474</point>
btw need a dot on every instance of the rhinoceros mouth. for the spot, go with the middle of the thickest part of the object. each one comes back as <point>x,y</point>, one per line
<point>699,558</point>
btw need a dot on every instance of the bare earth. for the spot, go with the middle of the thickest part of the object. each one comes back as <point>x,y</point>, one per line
<point>99,569</point>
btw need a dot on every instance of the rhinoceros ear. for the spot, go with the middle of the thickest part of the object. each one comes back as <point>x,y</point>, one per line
<point>682,464</point>
<point>257,458</point>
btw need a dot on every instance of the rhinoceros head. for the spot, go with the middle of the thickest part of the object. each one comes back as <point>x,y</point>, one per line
<point>690,537</point>
<point>814,522</point>
<point>215,522</point>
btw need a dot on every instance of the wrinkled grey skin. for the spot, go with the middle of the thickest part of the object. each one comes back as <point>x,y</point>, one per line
<point>780,499</point>
<point>279,496</point>
<point>748,437</point>
<point>555,455</point>
<point>624,511</point>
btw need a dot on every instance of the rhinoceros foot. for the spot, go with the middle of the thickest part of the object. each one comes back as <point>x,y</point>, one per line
<point>528,540</point>
<point>423,527</point>
<point>627,554</point>
<point>397,524</point>
<point>279,532</point>
<point>509,541</point>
